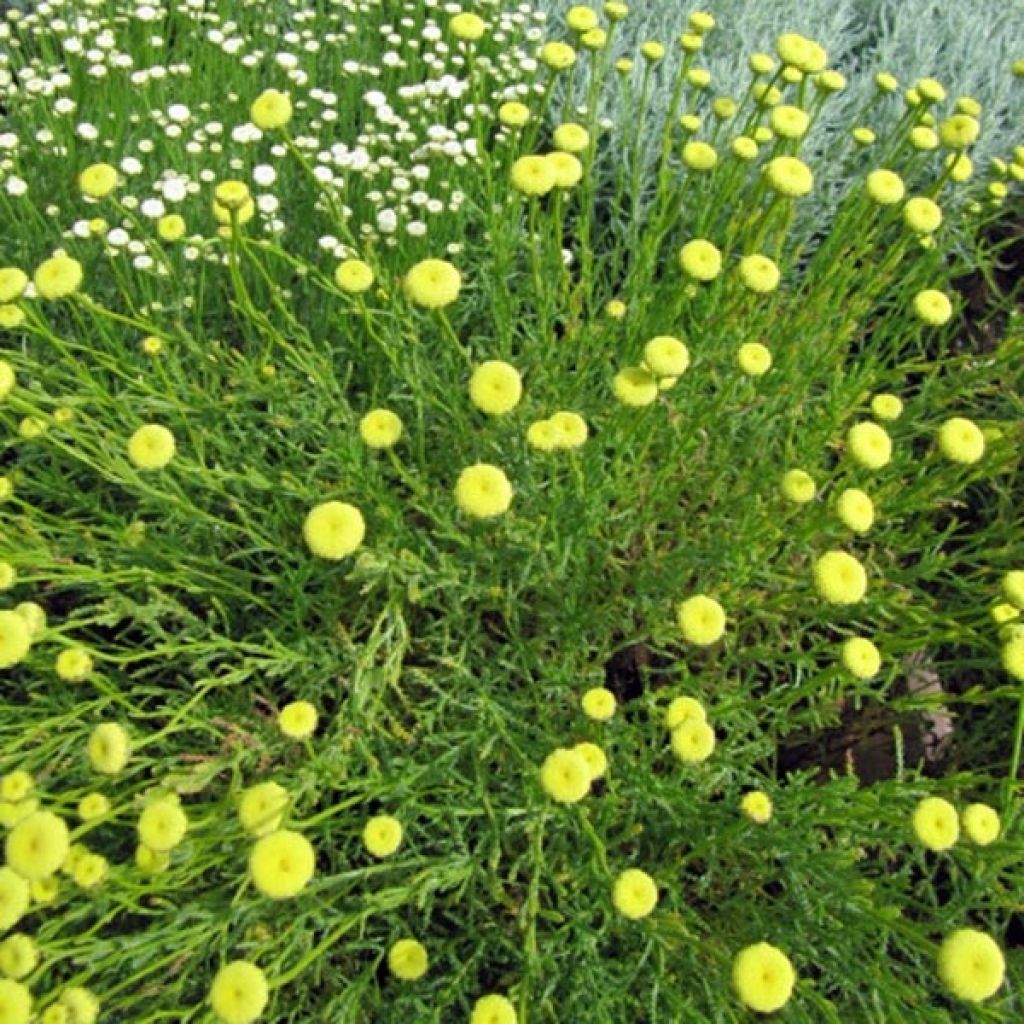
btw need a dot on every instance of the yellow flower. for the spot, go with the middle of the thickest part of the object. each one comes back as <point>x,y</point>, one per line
<point>15,1002</point>
<point>382,835</point>
<point>699,156</point>
<point>869,445</point>
<point>863,136</point>
<point>922,215</point>
<point>152,345</point>
<point>789,122</point>
<point>598,703</point>
<point>493,1009</point>
<point>334,529</point>
<point>19,956</point>
<point>239,993</point>
<point>800,52</point>
<point>701,620</point>
<point>565,776</point>
<point>34,617</point>
<point>886,82</point>
<point>935,823</point>
<point>693,741</point>
<point>980,823</point>
<point>109,748</point>
<point>682,709</point>
<point>763,977</point>
<point>270,110</point>
<point>241,214</point>
<point>82,1005</point>
<point>570,429</point>
<point>754,359</point>
<point>557,56</point>
<point>885,187</point>
<point>468,27</point>
<point>14,897</point>
<point>798,486</point>
<point>595,758</point>
<point>830,81</point>
<point>533,175</point>
<point>1012,656</point>
<point>789,176</point>
<point>855,509</point>
<point>923,138</point>
<point>171,227</point>
<point>297,720</point>
<point>861,657</point>
<point>615,308</point>
<point>1013,587</point>
<point>93,806</point>
<point>11,317</point>
<point>840,578</point>
<point>959,131</point>
<point>353,276</point>
<point>90,870</point>
<point>8,575</point>
<point>634,894</point>
<point>635,386</point>
<point>151,862</point>
<point>961,440</point>
<point>971,964</point>
<point>281,864</point>
<point>1004,612</point>
<point>98,180</point>
<point>231,195</point>
<point>15,638</point>
<point>759,273</point>
<point>666,356</point>
<point>483,491</point>
<point>887,407</point>
<point>13,282</point>
<point>162,824</point>
<point>757,806</point>
<point>37,845</point>
<point>700,260</point>
<point>432,283</point>
<point>933,307</point>
<point>16,785</point>
<point>542,435</point>
<point>571,137</point>
<point>581,19</point>
<point>495,387</point>
<point>567,169</point>
<point>152,446</point>
<point>73,664</point>
<point>57,277</point>
<point>261,808</point>
<point>380,428</point>
<point>513,114</point>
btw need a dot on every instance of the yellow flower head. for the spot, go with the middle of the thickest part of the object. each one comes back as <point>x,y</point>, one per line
<point>570,429</point>
<point>922,215</point>
<point>700,259</point>
<point>37,845</point>
<point>108,748</point>
<point>799,486</point>
<point>57,277</point>
<point>493,1009</point>
<point>840,578</point>
<point>595,758</point>
<point>961,440</point>
<point>261,808</point>
<point>935,823</point>
<point>923,138</point>
<point>886,407</point>
<point>886,82</point>
<point>615,309</point>
<point>635,386</point>
<point>960,167</point>
<point>699,156</point>
<point>152,446</point>
<point>334,529</point>
<point>757,806</point>
<point>513,114</point>
<point>11,316</point>
<point>542,435</point>
<point>73,664</point>
<point>885,187</point>
<point>15,1002</point>
<point>432,284</point>
<point>693,741</point>
<point>90,870</point>
<point>231,195</point>
<point>861,657</point>
<point>93,806</point>
<point>634,894</point>
<point>353,276</point>
<point>380,428</point>
<point>959,131</point>
<point>8,575</point>
<point>13,282</point>
<point>863,136</point>
<point>557,56</point>
<point>567,169</point>
<point>701,620</point>
<point>565,776</point>
<point>666,356</point>
<point>763,977</point>
<point>16,785</point>
<point>468,27</point>
<point>171,227</point>
<point>14,897</point>
<point>971,965</point>
<point>15,638</point>
<point>34,617</point>
<point>571,137</point>
<point>408,960</point>
<point>162,824</point>
<point>869,445</point>
<point>789,122</point>
<point>483,491</point>
<point>533,175</point>
<point>382,835</point>
<point>495,387</point>
<point>855,509</point>
<point>1013,587</point>
<point>19,956</point>
<point>930,90</point>
<point>759,273</point>
<point>298,720</point>
<point>682,709</point>
<point>598,703</point>
<point>830,81</point>
<point>281,864</point>
<point>271,110</point>
<point>98,180</point>
<point>789,176</point>
<point>933,307</point>
<point>239,993</point>
<point>980,823</point>
<point>754,359</point>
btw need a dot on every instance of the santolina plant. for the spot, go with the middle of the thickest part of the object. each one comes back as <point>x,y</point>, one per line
<point>432,571</point>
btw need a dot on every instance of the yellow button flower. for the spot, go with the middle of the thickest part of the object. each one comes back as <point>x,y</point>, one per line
<point>468,27</point>
<point>701,620</point>
<point>162,824</point>
<point>693,741</point>
<point>408,960</point>
<point>971,965</point>
<point>382,835</point>
<point>754,359</point>
<point>961,440</point>
<point>799,486</point>
<point>855,509</point>
<point>281,864</point>
<point>700,259</point>
<point>334,529</point>
<point>239,993</point>
<point>763,977</point>
<point>353,276</point>
<point>840,578</point>
<point>634,894</point>
<point>935,823</point>
<point>15,638</point>
<point>757,806</point>
<point>493,1009</point>
<point>37,845</point>
<point>869,445</point>
<point>598,703</point>
<point>432,283</point>
<point>98,180</point>
<point>980,823</point>
<point>151,447</point>
<point>635,386</point>
<point>495,387</point>
<point>57,277</point>
<point>108,748</point>
<point>861,658</point>
<point>380,428</point>
<point>565,776</point>
<point>483,491</point>
<point>298,720</point>
<point>533,175</point>
<point>270,110</point>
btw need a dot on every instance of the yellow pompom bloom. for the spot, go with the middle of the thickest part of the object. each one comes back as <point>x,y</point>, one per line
<point>789,122</point>
<point>798,486</point>
<point>152,446</point>
<point>598,703</point>
<point>754,359</point>
<point>933,307</point>
<point>683,709</point>
<point>923,138</point>
<point>16,785</point>
<point>495,387</point>
<point>8,576</point>
<point>90,870</point>
<point>959,131</point>
<point>757,806</point>
<point>432,283</point>
<point>699,156</point>
<point>57,277</point>
<point>231,195</point>
<point>493,1009</point>
<point>1002,613</point>
<point>789,176</point>
<point>37,845</point>
<point>800,52</point>
<point>483,491</point>
<point>701,620</point>
<point>297,720</point>
<point>15,1002</point>
<point>980,823</point>
<point>171,227</point>
<point>935,823</point>
<point>961,440</point>
<point>761,63</point>
<point>82,1005</point>
<point>152,345</point>
<point>239,993</point>
<point>724,107</point>
<point>542,435</point>
<point>98,180</point>
<point>971,965</point>
<point>745,147</point>
<point>570,429</point>
<point>634,894</point>
<point>700,259</point>
<point>763,977</point>
<point>382,835</point>
<point>885,187</point>
<point>571,137</point>
<point>860,657</point>
<point>19,956</point>
<point>353,276</point>
<point>1012,656</point>
<point>652,50</point>
<point>581,19</point>
<point>34,616</point>
<point>334,529</point>
<point>271,110</point>
<point>15,638</point>
<point>635,386</point>
<point>408,960</point>
<point>759,273</point>
<point>14,897</point>
<point>380,428</point>
<point>840,578</point>
<point>565,776</point>
<point>1013,587</point>
<point>73,664</point>
<point>887,407</point>
<point>162,824</point>
<point>109,748</point>
<point>666,356</point>
<point>281,864</point>
<point>93,806</point>
<point>468,27</point>
<point>595,758</point>
<point>567,169</point>
<point>13,282</point>
<point>855,509</point>
<point>513,114</point>
<point>533,175</point>
<point>261,808</point>
<point>557,56</point>
<point>922,215</point>
<point>8,379</point>
<point>960,167</point>
<point>869,445</point>
<point>693,741</point>
<point>863,136</point>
